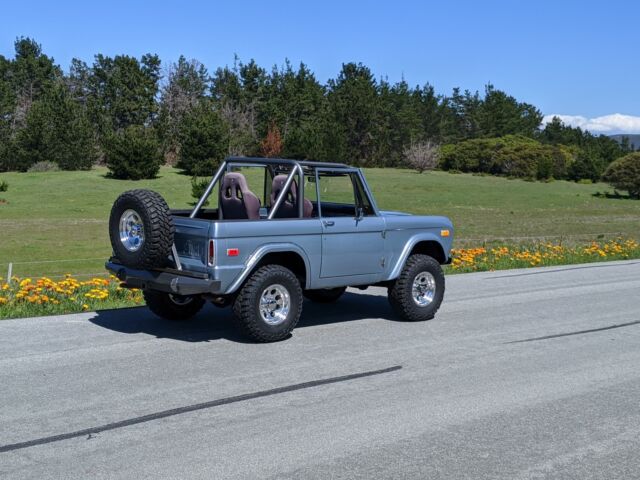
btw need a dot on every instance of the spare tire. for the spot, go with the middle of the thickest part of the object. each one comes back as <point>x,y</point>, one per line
<point>141,229</point>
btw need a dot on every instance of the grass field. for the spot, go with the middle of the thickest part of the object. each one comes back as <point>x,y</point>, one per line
<point>55,223</point>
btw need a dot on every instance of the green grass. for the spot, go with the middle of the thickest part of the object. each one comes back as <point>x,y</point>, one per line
<point>57,221</point>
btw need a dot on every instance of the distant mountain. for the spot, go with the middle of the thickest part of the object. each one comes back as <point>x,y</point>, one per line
<point>634,139</point>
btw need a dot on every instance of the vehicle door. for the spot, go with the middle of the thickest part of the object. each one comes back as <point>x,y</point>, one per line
<point>352,230</point>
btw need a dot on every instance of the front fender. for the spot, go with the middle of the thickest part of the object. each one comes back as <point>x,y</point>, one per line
<point>260,252</point>
<point>412,242</point>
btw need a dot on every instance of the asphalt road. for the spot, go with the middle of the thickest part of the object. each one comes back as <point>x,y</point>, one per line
<point>523,374</point>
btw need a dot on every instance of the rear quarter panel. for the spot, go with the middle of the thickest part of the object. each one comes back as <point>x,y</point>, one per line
<point>253,239</point>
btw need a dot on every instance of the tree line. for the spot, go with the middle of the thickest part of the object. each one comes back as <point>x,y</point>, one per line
<point>133,114</point>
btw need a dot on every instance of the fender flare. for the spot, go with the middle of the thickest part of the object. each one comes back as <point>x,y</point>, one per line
<point>259,254</point>
<point>412,242</point>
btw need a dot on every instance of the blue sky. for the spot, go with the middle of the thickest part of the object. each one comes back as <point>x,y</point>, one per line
<point>574,58</point>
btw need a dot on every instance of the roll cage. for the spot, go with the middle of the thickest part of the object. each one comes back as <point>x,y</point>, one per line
<point>290,167</point>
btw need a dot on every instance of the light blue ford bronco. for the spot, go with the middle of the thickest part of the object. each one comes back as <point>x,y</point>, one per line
<point>276,231</point>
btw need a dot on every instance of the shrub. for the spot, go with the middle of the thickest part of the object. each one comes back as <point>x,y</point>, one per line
<point>204,141</point>
<point>44,166</point>
<point>4,186</point>
<point>133,154</point>
<point>198,186</point>
<point>422,156</point>
<point>519,161</point>
<point>511,155</point>
<point>563,157</point>
<point>624,174</point>
<point>271,146</point>
<point>586,166</point>
<point>468,156</point>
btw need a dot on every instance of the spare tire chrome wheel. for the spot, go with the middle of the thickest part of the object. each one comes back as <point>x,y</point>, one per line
<point>131,230</point>
<point>141,229</point>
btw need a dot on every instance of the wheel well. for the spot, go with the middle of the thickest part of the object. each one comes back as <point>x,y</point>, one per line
<point>431,248</point>
<point>291,260</point>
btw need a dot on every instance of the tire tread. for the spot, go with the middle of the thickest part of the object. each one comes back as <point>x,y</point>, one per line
<point>399,296</point>
<point>159,233</point>
<point>246,315</point>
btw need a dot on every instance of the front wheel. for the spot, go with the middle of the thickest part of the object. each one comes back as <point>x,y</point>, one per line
<point>172,307</point>
<point>269,304</point>
<point>419,289</point>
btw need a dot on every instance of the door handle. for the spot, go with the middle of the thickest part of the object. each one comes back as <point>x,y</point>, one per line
<point>328,223</point>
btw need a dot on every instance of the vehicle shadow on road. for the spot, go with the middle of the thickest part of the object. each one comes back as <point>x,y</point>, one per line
<point>214,323</point>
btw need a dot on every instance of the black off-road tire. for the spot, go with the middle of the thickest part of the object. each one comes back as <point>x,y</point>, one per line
<point>246,307</point>
<point>400,292</point>
<point>157,224</point>
<point>172,307</point>
<point>325,295</point>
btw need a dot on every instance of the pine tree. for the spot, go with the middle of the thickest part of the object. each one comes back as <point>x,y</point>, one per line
<point>502,114</point>
<point>187,83</point>
<point>133,153</point>
<point>353,99</point>
<point>122,92</point>
<point>56,130</point>
<point>204,140</point>
<point>294,100</point>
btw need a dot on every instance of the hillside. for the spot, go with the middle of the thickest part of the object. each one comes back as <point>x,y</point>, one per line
<point>63,215</point>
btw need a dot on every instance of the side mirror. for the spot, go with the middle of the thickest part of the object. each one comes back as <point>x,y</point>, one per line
<point>359,213</point>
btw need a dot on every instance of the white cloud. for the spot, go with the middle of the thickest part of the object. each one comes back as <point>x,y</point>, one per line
<point>607,124</point>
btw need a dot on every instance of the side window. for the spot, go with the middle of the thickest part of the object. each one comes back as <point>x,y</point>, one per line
<point>341,193</point>
<point>310,196</point>
<point>362,197</point>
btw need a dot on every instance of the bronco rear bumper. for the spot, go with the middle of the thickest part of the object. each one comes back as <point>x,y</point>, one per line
<point>166,280</point>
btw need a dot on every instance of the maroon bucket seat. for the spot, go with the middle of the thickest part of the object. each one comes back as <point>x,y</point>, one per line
<point>289,206</point>
<point>236,200</point>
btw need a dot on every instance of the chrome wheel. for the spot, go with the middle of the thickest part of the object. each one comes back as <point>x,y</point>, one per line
<point>424,289</point>
<point>131,230</point>
<point>275,303</point>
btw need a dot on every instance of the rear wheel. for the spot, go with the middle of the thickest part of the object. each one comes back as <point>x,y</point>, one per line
<point>325,295</point>
<point>269,304</point>
<point>419,289</point>
<point>172,307</point>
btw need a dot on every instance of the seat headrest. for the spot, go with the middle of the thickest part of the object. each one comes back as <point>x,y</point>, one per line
<point>233,182</point>
<point>278,184</point>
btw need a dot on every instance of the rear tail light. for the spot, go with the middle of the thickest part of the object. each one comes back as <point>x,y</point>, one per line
<point>211,254</point>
